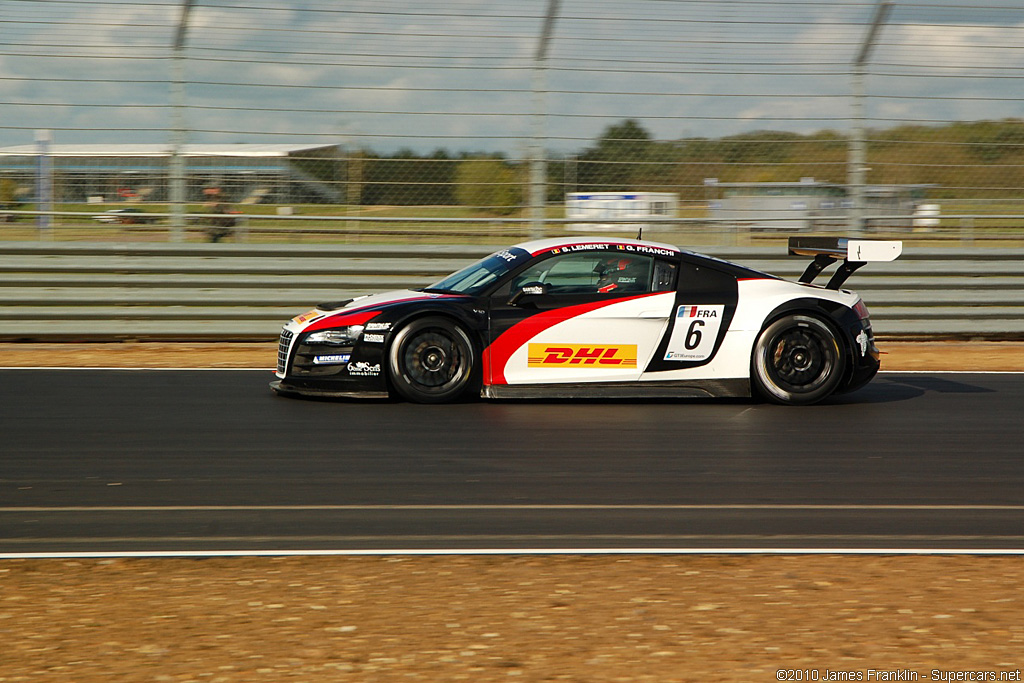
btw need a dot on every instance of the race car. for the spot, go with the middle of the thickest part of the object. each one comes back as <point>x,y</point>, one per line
<point>591,317</point>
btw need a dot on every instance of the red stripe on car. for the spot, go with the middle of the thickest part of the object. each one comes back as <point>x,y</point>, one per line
<point>340,320</point>
<point>496,356</point>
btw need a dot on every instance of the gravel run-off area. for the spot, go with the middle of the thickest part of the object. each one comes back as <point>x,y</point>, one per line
<point>476,618</point>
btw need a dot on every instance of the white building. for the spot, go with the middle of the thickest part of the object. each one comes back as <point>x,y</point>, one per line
<point>597,208</point>
<point>269,172</point>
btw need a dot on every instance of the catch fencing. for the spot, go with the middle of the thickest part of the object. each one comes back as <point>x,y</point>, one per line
<point>318,120</point>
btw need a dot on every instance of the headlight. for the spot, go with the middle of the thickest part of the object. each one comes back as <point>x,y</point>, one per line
<point>342,336</point>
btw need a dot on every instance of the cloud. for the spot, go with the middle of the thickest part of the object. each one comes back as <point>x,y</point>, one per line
<point>458,74</point>
<point>957,49</point>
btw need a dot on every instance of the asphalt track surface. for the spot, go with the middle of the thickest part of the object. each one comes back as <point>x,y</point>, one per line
<point>169,460</point>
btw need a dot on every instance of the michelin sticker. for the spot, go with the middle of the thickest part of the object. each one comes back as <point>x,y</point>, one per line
<point>862,340</point>
<point>334,359</point>
<point>696,329</point>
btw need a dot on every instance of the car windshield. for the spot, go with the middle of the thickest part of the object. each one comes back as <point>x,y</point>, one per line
<point>482,274</point>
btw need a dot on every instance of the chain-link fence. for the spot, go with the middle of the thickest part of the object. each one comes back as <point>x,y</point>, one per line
<point>216,119</point>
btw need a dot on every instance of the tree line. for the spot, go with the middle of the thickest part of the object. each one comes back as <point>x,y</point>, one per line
<point>983,159</point>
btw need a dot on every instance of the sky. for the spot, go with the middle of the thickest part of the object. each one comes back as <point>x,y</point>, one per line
<point>460,74</point>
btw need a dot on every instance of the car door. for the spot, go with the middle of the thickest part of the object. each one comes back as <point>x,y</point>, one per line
<point>703,312</point>
<point>593,316</point>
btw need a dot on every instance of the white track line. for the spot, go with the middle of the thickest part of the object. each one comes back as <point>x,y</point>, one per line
<point>951,372</point>
<point>509,551</point>
<point>537,506</point>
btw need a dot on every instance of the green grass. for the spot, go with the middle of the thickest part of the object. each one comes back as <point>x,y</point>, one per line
<point>265,226</point>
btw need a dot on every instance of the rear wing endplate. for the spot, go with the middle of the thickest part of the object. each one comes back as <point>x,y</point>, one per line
<point>853,254</point>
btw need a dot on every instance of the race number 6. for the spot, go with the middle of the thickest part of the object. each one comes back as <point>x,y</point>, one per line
<point>695,332</point>
<point>693,337</point>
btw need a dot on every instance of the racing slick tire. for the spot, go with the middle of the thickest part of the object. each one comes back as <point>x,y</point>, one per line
<point>797,360</point>
<point>431,360</point>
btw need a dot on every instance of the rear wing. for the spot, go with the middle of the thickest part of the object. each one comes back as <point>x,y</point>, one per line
<point>853,254</point>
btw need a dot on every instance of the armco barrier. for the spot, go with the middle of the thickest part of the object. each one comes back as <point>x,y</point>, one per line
<point>95,291</point>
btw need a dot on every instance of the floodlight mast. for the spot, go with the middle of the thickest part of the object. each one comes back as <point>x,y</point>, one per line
<point>178,133</point>
<point>538,164</point>
<point>856,172</point>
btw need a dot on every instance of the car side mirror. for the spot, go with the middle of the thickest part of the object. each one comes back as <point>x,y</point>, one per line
<point>527,290</point>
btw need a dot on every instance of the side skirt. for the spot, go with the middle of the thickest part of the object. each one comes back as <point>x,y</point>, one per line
<point>724,388</point>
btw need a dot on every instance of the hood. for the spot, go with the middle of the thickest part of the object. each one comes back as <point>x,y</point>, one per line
<point>356,311</point>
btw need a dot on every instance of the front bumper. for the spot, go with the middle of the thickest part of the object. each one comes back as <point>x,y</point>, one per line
<point>329,371</point>
<point>284,388</point>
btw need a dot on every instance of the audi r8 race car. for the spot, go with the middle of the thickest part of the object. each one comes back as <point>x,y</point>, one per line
<point>594,317</point>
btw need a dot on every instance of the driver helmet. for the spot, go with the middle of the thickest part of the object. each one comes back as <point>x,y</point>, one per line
<point>609,271</point>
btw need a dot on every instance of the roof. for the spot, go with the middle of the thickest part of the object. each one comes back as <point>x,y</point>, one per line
<point>795,183</point>
<point>163,150</point>
<point>588,243</point>
<point>817,183</point>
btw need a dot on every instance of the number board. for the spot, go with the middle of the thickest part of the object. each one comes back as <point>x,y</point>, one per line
<point>695,332</point>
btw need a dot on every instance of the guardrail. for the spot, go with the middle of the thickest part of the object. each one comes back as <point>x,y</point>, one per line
<point>98,291</point>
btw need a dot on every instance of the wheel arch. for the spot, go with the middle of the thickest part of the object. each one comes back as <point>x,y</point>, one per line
<point>456,317</point>
<point>475,332</point>
<point>829,312</point>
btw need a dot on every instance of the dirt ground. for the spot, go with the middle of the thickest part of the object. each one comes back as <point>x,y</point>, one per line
<point>655,618</point>
<point>563,618</point>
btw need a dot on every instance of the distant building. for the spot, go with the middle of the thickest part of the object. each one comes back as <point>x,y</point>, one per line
<point>595,208</point>
<point>140,172</point>
<point>807,204</point>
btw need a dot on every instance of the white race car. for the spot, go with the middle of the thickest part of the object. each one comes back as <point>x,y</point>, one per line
<point>591,317</point>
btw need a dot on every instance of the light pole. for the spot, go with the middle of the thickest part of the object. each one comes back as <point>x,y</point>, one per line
<point>856,170</point>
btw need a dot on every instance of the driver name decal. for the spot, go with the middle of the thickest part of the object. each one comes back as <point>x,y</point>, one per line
<point>582,355</point>
<point>606,246</point>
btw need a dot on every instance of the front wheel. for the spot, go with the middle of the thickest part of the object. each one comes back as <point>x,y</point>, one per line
<point>797,361</point>
<point>431,360</point>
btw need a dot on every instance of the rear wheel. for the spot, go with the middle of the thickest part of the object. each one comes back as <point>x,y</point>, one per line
<point>797,360</point>
<point>431,360</point>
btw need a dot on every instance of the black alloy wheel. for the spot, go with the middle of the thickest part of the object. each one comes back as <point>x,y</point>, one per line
<point>797,361</point>
<point>431,360</point>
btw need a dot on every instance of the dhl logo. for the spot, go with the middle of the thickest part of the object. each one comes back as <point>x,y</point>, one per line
<point>583,355</point>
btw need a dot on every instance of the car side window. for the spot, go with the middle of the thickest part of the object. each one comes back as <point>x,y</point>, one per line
<point>592,273</point>
<point>664,277</point>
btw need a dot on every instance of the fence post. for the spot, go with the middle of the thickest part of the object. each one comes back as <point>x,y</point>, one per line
<point>177,167</point>
<point>538,161</point>
<point>44,184</point>
<point>857,165</point>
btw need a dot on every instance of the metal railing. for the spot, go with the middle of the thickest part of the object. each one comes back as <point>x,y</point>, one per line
<point>245,291</point>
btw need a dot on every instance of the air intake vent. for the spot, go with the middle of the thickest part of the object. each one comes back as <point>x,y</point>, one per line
<point>282,350</point>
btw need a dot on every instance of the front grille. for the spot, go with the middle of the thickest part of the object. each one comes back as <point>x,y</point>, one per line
<point>282,350</point>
